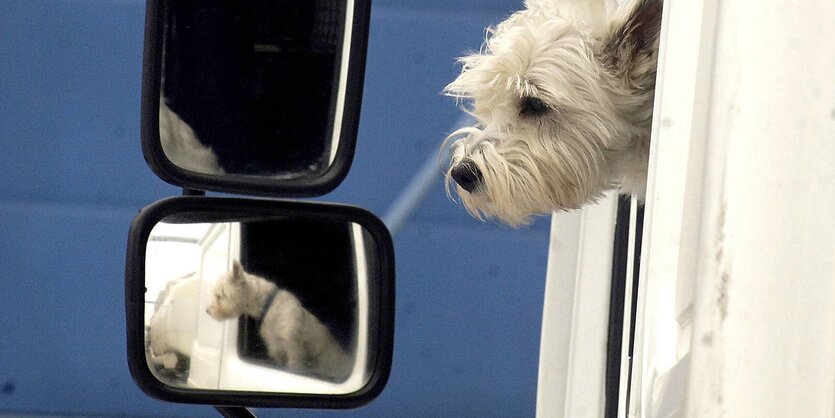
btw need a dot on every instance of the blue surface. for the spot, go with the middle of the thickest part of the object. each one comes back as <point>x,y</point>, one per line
<point>469,293</point>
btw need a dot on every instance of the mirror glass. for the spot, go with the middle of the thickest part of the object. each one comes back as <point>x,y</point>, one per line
<point>253,88</point>
<point>264,305</point>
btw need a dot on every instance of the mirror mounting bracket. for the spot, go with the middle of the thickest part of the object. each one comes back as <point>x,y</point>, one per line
<point>234,412</point>
<point>187,191</point>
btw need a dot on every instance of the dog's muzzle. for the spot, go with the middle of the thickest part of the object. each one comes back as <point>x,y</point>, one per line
<point>467,175</point>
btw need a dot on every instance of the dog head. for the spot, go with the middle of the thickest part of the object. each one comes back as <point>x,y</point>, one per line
<point>559,100</point>
<point>232,295</point>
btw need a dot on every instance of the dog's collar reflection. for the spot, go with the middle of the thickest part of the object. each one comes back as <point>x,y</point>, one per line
<point>268,304</point>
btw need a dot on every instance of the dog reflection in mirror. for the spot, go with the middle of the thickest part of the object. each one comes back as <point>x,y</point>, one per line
<point>294,337</point>
<point>181,145</point>
<point>562,94</point>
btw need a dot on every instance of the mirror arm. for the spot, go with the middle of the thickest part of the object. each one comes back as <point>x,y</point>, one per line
<point>234,412</point>
<point>193,192</point>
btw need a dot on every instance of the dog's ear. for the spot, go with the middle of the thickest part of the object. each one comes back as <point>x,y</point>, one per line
<point>632,42</point>
<point>237,271</point>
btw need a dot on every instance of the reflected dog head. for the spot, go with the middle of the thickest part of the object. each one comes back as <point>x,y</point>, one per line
<point>238,293</point>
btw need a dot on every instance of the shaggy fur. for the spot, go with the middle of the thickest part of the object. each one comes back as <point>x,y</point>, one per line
<point>563,104</point>
<point>294,337</point>
<point>181,146</point>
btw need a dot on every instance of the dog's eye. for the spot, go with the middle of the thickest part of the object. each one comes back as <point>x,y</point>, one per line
<point>532,106</point>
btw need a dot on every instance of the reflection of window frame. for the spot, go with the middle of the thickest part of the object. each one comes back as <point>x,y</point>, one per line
<point>302,270</point>
<point>217,247</point>
<point>233,371</point>
<point>167,233</point>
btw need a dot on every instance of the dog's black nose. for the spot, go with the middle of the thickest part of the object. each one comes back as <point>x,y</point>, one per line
<point>467,175</point>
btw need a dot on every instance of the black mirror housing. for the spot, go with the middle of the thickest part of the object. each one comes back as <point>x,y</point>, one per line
<point>370,330</point>
<point>276,110</point>
<point>245,302</point>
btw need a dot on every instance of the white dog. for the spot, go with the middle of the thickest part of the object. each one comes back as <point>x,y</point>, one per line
<point>181,145</point>
<point>294,337</point>
<point>562,94</point>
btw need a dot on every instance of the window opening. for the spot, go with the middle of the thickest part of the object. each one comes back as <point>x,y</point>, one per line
<point>622,293</point>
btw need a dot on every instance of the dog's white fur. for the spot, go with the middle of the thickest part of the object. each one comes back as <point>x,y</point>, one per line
<point>595,82</point>
<point>294,337</point>
<point>181,146</point>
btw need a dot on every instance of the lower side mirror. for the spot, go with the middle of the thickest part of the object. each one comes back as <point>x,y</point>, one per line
<point>259,303</point>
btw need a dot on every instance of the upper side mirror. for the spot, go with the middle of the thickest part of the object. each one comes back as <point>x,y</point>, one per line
<point>260,303</point>
<point>256,97</point>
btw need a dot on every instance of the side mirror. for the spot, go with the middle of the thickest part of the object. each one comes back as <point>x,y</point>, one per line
<point>253,97</point>
<point>259,303</point>
<point>244,302</point>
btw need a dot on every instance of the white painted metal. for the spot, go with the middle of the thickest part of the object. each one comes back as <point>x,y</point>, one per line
<point>736,313</point>
<point>674,205</point>
<point>738,279</point>
<point>572,361</point>
<point>764,334</point>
